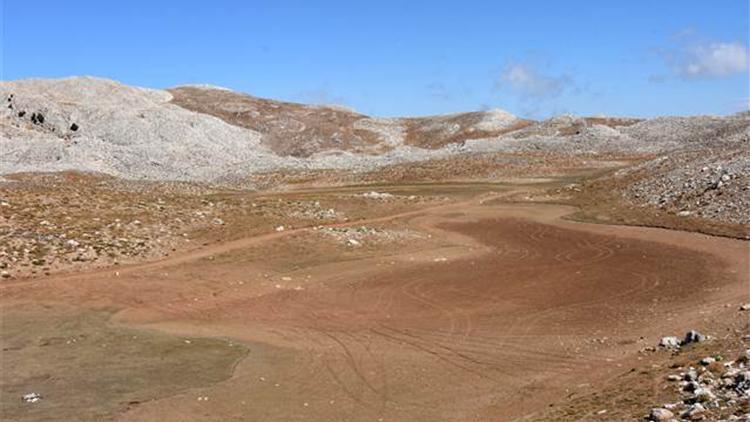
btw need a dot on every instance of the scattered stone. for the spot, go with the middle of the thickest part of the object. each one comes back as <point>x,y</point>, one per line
<point>693,336</point>
<point>4,274</point>
<point>742,381</point>
<point>669,342</point>
<point>660,414</point>
<point>707,361</point>
<point>703,394</point>
<point>377,195</point>
<point>693,410</point>
<point>745,307</point>
<point>280,228</point>
<point>357,236</point>
<point>691,386</point>
<point>682,181</point>
<point>711,391</point>
<point>744,357</point>
<point>31,397</point>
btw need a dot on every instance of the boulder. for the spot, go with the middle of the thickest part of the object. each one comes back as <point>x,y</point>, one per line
<point>669,342</point>
<point>693,336</point>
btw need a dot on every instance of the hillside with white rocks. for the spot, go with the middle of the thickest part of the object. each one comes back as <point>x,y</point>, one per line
<point>201,133</point>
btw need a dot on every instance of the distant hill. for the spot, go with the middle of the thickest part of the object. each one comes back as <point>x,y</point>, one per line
<point>206,133</point>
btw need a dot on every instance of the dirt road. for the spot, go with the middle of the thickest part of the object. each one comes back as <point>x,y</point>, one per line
<point>500,311</point>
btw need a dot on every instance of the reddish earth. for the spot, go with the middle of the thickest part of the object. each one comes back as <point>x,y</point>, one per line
<point>302,130</point>
<point>499,311</point>
<point>289,128</point>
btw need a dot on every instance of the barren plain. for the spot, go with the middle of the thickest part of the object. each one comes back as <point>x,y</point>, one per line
<point>530,274</point>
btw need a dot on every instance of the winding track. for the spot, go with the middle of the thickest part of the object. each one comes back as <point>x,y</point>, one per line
<point>421,341</point>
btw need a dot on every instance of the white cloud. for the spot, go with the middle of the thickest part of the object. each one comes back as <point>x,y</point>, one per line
<point>530,84</point>
<point>695,60</point>
<point>716,59</point>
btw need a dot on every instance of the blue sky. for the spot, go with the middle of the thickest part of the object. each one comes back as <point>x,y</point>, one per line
<point>389,58</point>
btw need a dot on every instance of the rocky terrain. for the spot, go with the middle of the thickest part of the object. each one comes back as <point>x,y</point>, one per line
<point>683,172</point>
<point>364,236</point>
<point>704,184</point>
<point>64,221</point>
<point>215,135</point>
<point>705,190</point>
<point>70,221</point>
<point>345,265</point>
<point>714,387</point>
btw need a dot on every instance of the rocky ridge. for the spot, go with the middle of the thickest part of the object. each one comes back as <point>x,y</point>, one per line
<point>208,134</point>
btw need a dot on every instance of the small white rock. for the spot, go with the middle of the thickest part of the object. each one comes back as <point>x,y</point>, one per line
<point>660,414</point>
<point>31,397</point>
<point>707,361</point>
<point>669,342</point>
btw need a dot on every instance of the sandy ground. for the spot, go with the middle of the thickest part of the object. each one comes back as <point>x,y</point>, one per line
<point>496,311</point>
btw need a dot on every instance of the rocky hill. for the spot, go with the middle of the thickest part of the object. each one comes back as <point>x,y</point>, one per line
<point>299,130</point>
<point>200,133</point>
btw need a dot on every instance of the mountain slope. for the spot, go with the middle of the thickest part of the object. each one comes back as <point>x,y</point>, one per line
<point>209,134</point>
<point>302,130</point>
<point>99,125</point>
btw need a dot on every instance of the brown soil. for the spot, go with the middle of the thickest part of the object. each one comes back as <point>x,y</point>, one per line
<point>87,369</point>
<point>288,128</point>
<point>515,168</point>
<point>63,222</point>
<point>612,121</point>
<point>301,130</point>
<point>496,312</point>
<point>438,131</point>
